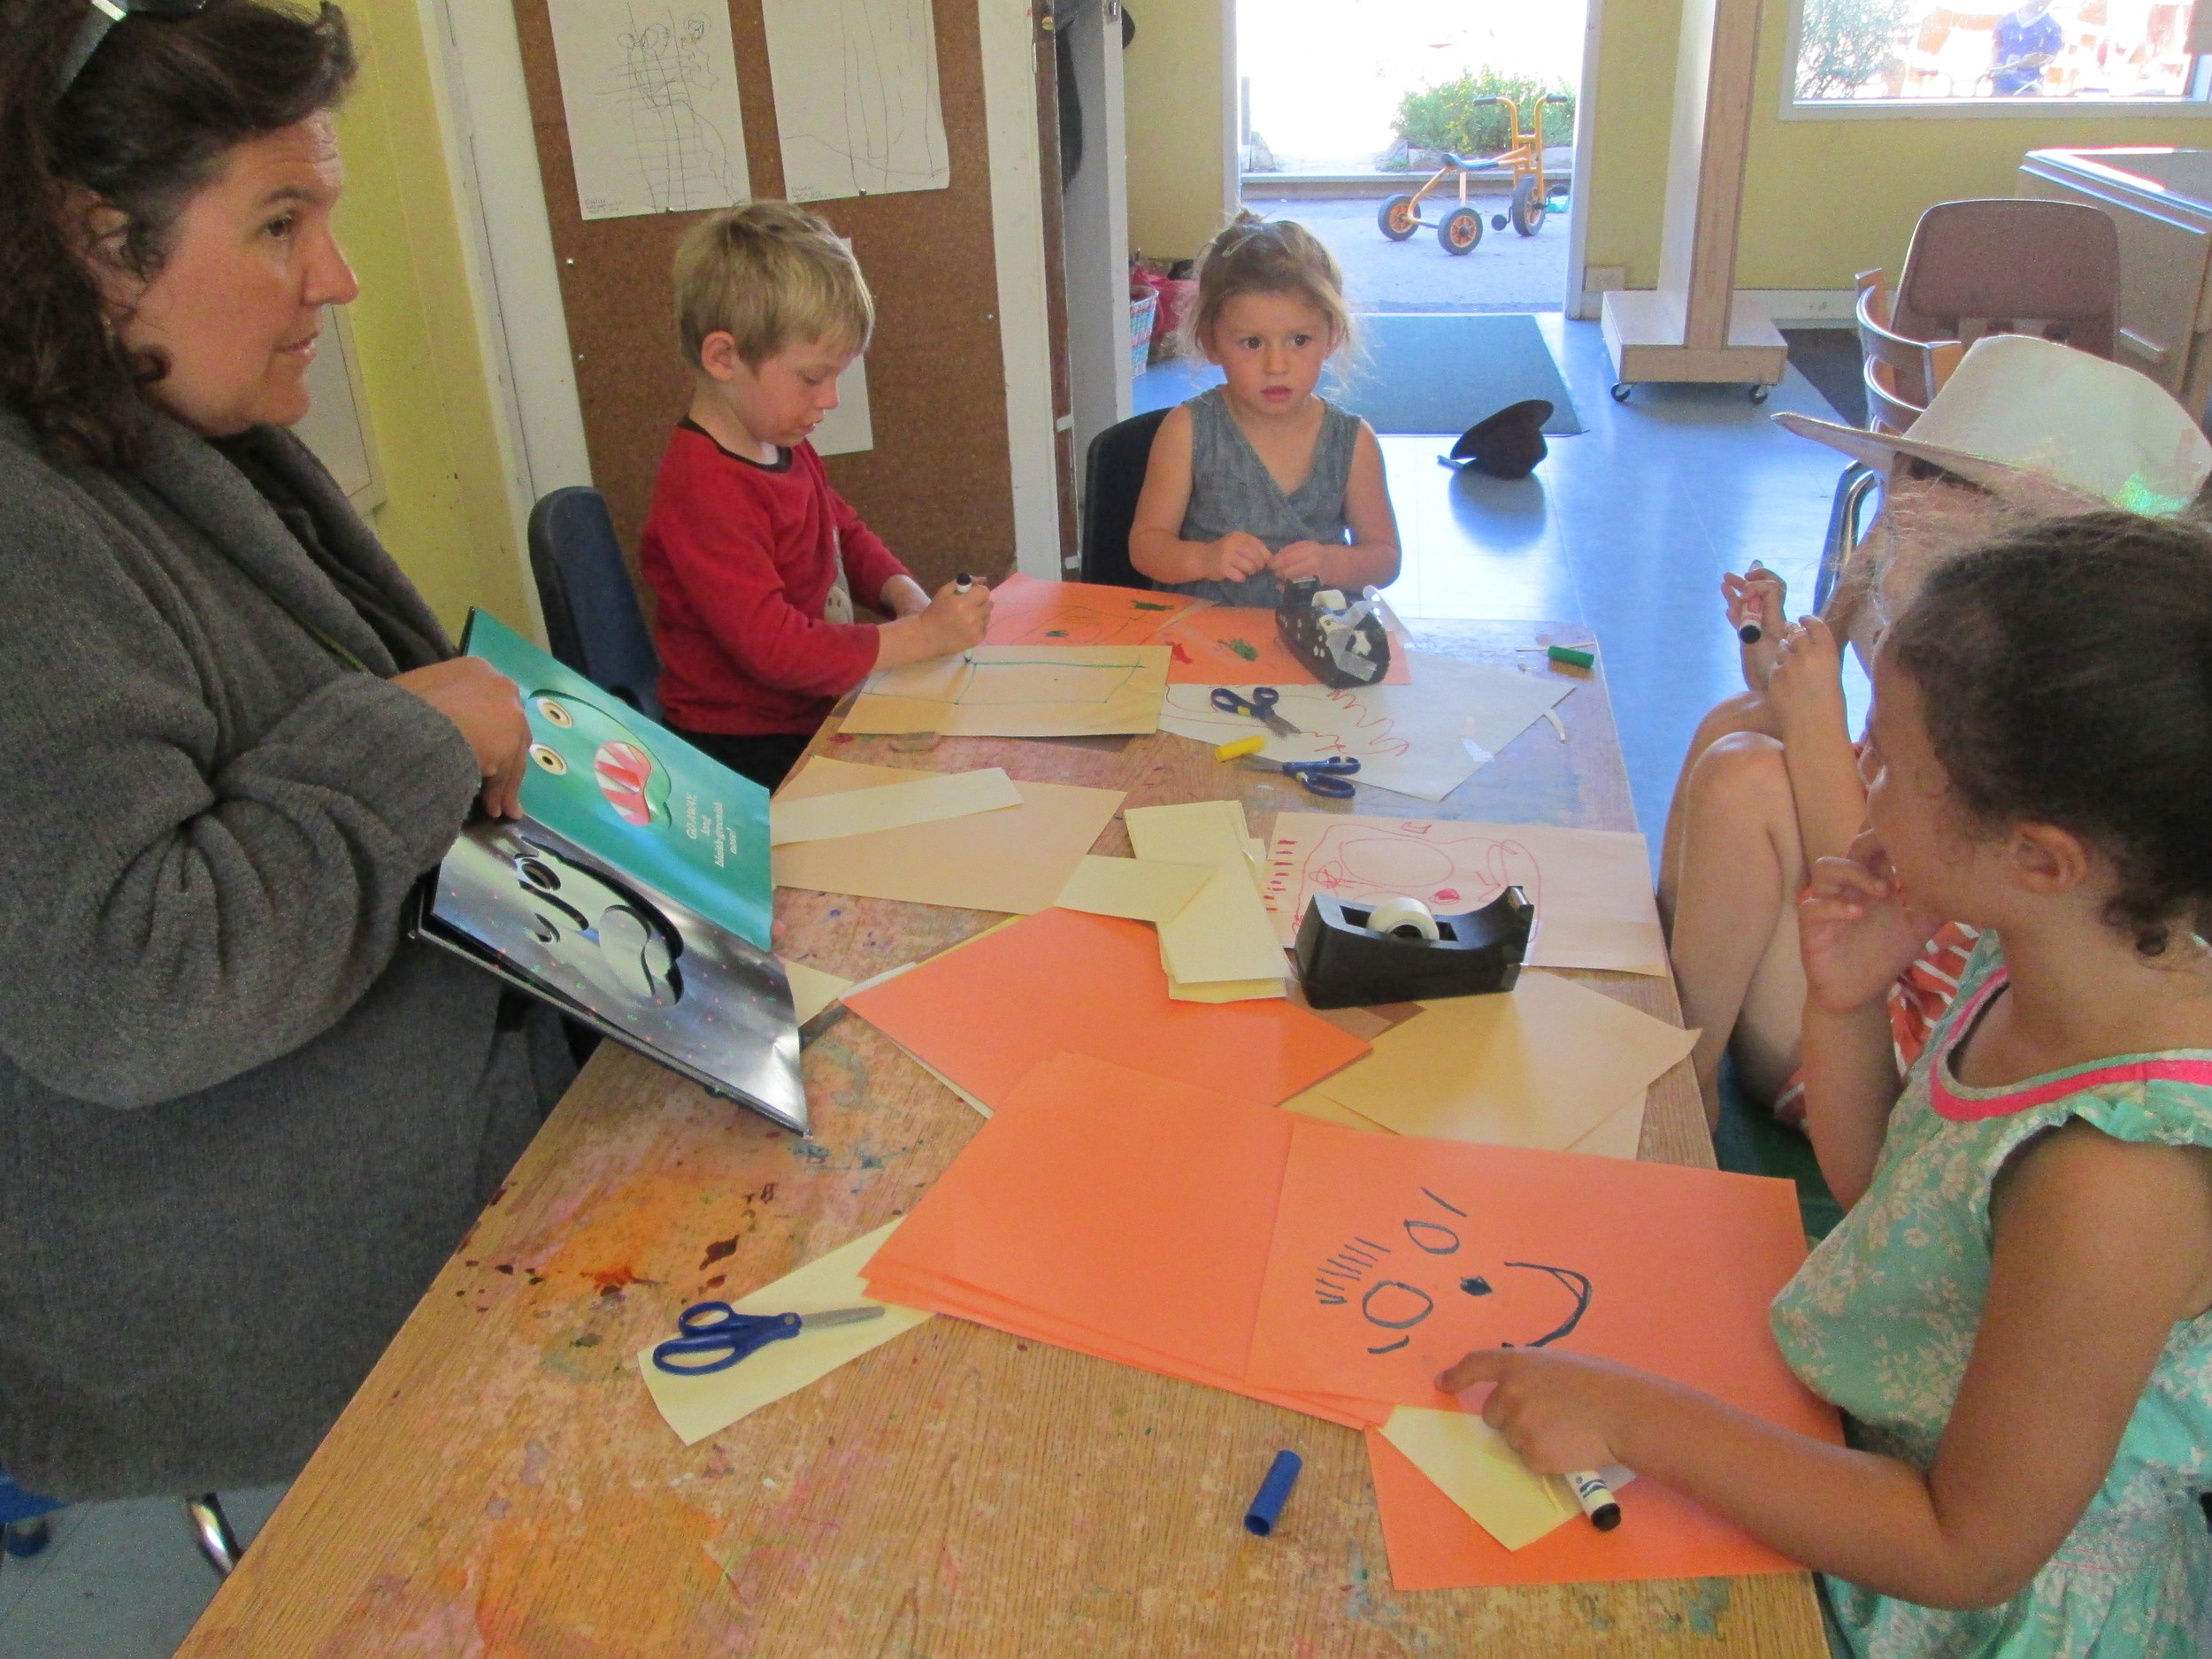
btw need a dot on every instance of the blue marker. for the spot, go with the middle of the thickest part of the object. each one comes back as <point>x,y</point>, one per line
<point>1282,1475</point>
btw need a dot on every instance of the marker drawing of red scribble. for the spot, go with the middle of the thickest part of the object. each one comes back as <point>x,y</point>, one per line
<point>1424,860</point>
<point>1375,728</point>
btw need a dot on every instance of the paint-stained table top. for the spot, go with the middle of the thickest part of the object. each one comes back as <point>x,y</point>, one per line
<point>503,1488</point>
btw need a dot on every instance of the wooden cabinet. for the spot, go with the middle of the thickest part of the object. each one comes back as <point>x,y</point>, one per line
<point>2161,200</point>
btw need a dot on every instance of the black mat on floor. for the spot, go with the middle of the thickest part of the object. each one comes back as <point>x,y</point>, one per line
<point>1828,357</point>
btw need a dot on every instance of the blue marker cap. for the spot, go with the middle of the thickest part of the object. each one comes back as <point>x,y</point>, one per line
<point>1282,1475</point>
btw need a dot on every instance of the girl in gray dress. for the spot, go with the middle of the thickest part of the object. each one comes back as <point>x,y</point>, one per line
<point>1258,481</point>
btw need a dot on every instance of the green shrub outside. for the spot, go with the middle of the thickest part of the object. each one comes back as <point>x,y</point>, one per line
<point>1444,117</point>
<point>1842,44</point>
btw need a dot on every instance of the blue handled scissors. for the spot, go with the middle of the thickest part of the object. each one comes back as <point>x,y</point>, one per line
<point>716,1328</point>
<point>1331,777</point>
<point>1260,705</point>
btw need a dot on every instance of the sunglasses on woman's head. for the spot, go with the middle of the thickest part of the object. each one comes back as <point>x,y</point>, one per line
<point>106,15</point>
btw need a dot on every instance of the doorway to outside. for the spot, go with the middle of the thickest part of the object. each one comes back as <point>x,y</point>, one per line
<point>1348,104</point>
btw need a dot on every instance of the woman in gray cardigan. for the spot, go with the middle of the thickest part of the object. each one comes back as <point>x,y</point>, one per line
<point>242,1119</point>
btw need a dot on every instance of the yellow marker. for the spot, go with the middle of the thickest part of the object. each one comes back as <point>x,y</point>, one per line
<point>1242,747</point>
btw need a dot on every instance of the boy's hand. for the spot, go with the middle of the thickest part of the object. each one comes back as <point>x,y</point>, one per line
<point>1805,687</point>
<point>1756,597</point>
<point>955,620</point>
<point>1559,1412</point>
<point>1236,555</point>
<point>1299,560</point>
<point>1856,931</point>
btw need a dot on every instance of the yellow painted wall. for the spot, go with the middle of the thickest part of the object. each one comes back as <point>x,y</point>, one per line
<point>447,520</point>
<point>1171,95</point>
<point>1822,199</point>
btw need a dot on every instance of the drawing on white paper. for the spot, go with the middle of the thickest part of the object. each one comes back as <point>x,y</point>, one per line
<point>858,108</point>
<point>649,88</point>
<point>1447,866</point>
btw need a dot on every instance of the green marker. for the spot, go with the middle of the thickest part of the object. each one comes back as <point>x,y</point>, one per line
<point>1571,654</point>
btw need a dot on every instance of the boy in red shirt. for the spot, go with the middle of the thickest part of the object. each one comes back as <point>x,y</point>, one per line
<point>756,561</point>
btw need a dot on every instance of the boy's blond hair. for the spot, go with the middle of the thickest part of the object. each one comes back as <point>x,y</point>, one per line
<point>770,275</point>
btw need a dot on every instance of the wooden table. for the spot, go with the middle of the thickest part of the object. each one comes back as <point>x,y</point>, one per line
<point>503,1488</point>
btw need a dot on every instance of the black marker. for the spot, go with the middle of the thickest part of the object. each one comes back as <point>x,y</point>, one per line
<point>962,582</point>
<point>1597,1499</point>
<point>1749,632</point>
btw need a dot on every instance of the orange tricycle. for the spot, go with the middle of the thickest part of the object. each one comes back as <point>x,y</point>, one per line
<point>1461,229</point>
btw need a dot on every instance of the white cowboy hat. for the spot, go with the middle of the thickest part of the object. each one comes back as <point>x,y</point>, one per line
<point>2050,427</point>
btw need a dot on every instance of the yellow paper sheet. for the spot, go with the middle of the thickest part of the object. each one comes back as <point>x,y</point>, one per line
<point>1019,691</point>
<point>1540,1066</point>
<point>1619,1136</point>
<point>1471,1463</point>
<point>696,1407</point>
<point>811,989</point>
<point>1013,860</point>
<point>1314,1103</point>
<point>1223,933</point>
<point>1137,888</point>
<point>922,798</point>
<point>1591,888</point>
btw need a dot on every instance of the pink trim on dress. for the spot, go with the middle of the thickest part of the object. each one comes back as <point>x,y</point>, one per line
<point>1960,1110</point>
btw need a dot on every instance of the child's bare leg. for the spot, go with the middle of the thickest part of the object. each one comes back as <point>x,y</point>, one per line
<point>1741,870</point>
<point>1745,712</point>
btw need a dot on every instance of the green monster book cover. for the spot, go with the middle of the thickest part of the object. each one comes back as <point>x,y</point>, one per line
<point>634,892</point>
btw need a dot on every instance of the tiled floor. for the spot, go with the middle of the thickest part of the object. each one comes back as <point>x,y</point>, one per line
<point>1623,531</point>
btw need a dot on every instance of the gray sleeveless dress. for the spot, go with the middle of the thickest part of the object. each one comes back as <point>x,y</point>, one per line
<point>1230,490</point>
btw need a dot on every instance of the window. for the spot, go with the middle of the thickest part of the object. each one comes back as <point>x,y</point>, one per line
<point>1859,55</point>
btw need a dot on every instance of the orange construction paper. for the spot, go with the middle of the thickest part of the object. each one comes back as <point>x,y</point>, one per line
<point>1395,1256</point>
<point>1025,611</point>
<point>1230,645</point>
<point>1434,1545</point>
<point>988,1014</point>
<point>1110,1212</point>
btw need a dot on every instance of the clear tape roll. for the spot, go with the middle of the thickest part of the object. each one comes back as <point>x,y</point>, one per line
<point>1395,916</point>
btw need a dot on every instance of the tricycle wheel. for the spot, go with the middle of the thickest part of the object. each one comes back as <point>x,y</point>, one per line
<point>1620,389</point>
<point>1396,219</point>
<point>1460,230</point>
<point>1528,208</point>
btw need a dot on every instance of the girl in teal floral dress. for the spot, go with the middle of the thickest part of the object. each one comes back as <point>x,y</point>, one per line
<point>2013,1315</point>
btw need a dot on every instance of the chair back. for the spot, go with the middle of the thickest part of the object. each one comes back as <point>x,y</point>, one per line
<point>2007,266</point>
<point>592,618</point>
<point>1113,476</point>
<point>1901,375</point>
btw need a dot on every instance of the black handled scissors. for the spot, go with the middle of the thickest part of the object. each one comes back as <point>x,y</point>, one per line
<point>1260,705</point>
<point>714,1329</point>
<point>1331,777</point>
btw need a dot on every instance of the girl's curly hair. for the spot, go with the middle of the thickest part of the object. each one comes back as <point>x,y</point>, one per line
<point>147,123</point>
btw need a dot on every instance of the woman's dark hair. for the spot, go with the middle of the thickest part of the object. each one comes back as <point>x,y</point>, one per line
<point>2065,671</point>
<point>145,125</point>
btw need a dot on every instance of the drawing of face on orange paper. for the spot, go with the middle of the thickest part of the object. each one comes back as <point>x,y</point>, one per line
<point>1422,1270</point>
<point>1447,872</point>
<point>599,761</point>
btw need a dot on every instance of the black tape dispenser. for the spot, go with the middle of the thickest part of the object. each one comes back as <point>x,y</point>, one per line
<point>1398,951</point>
<point>1342,641</point>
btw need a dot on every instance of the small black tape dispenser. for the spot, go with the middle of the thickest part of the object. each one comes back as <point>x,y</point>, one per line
<point>1342,642</point>
<point>1397,951</point>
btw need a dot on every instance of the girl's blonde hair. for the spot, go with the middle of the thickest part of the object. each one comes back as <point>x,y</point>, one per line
<point>771,275</point>
<point>1256,255</point>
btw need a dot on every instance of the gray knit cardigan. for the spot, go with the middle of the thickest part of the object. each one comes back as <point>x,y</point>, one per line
<point>243,1122</point>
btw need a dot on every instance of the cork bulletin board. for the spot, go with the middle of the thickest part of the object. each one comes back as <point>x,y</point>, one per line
<point>937,486</point>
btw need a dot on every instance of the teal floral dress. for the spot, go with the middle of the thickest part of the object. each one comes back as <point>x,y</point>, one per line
<point>1881,1320</point>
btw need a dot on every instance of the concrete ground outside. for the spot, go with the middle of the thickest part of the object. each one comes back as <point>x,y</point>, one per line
<point>1504,272</point>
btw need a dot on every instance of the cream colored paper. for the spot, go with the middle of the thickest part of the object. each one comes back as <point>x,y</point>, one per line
<point>1141,889</point>
<point>1619,1136</point>
<point>1422,739</point>
<point>811,989</point>
<point>924,798</point>
<point>1019,691</point>
<point>696,1407</point>
<point>1013,860</point>
<point>1471,1463</point>
<point>1314,1103</point>
<point>1591,888</point>
<point>1223,934</point>
<point>1540,1066</point>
